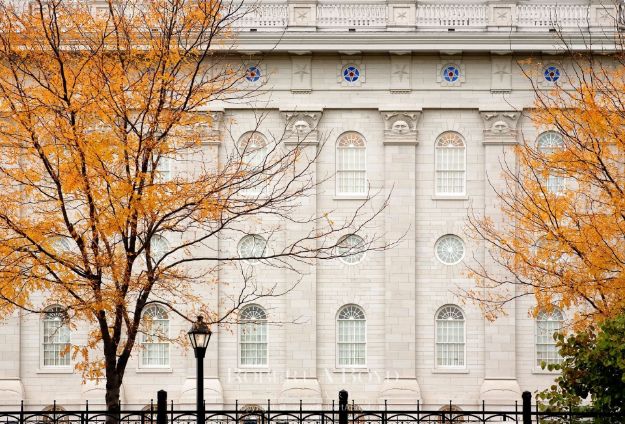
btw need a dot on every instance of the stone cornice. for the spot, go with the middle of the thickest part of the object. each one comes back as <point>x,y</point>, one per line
<point>481,41</point>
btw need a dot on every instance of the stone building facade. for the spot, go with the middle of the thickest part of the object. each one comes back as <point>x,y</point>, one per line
<point>425,98</point>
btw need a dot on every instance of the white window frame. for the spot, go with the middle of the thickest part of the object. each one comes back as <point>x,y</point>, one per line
<point>559,191</point>
<point>437,244</point>
<point>251,260</point>
<point>344,259</point>
<point>464,339</point>
<point>145,344</point>
<point>263,321</point>
<point>437,171</point>
<point>42,343</point>
<point>264,150</point>
<point>536,320</point>
<point>338,164</point>
<point>337,341</point>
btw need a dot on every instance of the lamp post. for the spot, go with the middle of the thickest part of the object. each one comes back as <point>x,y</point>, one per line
<point>200,335</point>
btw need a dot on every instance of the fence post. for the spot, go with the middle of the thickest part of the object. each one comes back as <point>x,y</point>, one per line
<point>343,395</point>
<point>527,407</point>
<point>161,407</point>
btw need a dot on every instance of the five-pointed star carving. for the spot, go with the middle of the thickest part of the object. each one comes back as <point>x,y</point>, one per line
<point>301,15</point>
<point>400,71</point>
<point>301,70</point>
<point>502,70</point>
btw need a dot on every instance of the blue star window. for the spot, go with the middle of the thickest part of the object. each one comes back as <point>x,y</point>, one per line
<point>552,74</point>
<point>351,74</point>
<point>451,73</point>
<point>252,74</point>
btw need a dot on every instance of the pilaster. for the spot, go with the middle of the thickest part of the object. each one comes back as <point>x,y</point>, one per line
<point>500,384</point>
<point>300,383</point>
<point>11,389</point>
<point>210,129</point>
<point>400,140</point>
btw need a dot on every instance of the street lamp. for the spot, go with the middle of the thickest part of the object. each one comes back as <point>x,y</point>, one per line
<point>200,335</point>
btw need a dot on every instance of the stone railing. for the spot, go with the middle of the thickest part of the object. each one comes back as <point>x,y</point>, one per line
<point>381,15</point>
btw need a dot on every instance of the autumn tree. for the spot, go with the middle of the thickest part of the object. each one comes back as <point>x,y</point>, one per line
<point>562,236</point>
<point>96,104</point>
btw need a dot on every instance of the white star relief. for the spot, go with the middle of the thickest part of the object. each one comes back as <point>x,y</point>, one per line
<point>502,71</point>
<point>400,71</point>
<point>302,70</point>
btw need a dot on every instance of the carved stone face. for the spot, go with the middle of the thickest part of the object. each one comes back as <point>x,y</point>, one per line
<point>301,127</point>
<point>400,127</point>
<point>500,127</point>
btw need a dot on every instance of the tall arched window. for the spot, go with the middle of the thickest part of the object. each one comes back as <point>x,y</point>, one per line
<point>155,337</point>
<point>158,248</point>
<point>351,337</point>
<point>548,143</point>
<point>253,337</point>
<point>450,336</point>
<point>55,338</point>
<point>450,164</point>
<point>253,150</point>
<point>547,324</point>
<point>351,164</point>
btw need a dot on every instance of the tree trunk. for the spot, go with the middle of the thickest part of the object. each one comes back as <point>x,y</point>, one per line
<point>113,386</point>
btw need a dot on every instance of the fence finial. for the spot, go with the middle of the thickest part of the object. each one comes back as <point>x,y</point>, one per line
<point>527,407</point>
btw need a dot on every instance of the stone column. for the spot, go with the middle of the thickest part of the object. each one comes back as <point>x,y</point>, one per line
<point>211,133</point>
<point>301,381</point>
<point>500,385</point>
<point>400,386</point>
<point>11,389</point>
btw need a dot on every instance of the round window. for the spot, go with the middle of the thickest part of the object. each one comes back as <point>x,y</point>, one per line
<point>351,249</point>
<point>351,73</point>
<point>449,249</point>
<point>552,74</point>
<point>253,74</point>
<point>252,247</point>
<point>451,73</point>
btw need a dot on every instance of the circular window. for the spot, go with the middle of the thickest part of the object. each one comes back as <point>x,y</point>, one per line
<point>451,73</point>
<point>351,249</point>
<point>449,249</point>
<point>351,73</point>
<point>552,74</point>
<point>251,247</point>
<point>252,74</point>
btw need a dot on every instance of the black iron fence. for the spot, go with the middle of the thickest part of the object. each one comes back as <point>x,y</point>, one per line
<point>165,413</point>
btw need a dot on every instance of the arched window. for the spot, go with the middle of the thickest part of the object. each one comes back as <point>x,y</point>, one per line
<point>351,249</point>
<point>55,338</point>
<point>158,248</point>
<point>351,337</point>
<point>54,414</point>
<point>351,170</point>
<point>155,337</point>
<point>450,164</point>
<point>253,337</point>
<point>548,324</point>
<point>548,143</point>
<point>252,246</point>
<point>253,149</point>
<point>251,413</point>
<point>450,345</point>
<point>450,414</point>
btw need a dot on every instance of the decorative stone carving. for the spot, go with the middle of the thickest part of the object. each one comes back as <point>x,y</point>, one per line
<point>208,126</point>
<point>400,72</point>
<point>402,14</point>
<point>501,75</point>
<point>351,59</point>
<point>501,15</point>
<point>450,62</point>
<point>301,127</point>
<point>301,72</point>
<point>500,127</point>
<point>400,127</point>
